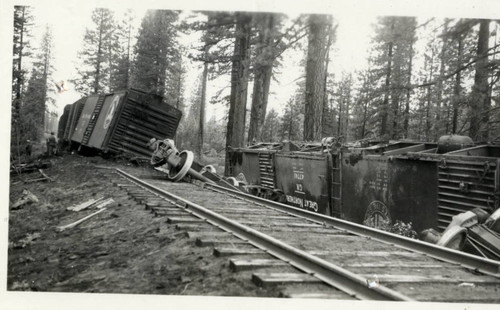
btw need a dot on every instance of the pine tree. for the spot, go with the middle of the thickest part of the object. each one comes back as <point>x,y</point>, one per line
<point>21,50</point>
<point>271,127</point>
<point>273,37</point>
<point>39,97</point>
<point>121,53</point>
<point>96,55</point>
<point>318,43</point>
<point>392,68</point>
<point>479,104</point>
<point>262,68</point>
<point>292,121</point>
<point>215,135</point>
<point>156,52</point>
<point>235,134</point>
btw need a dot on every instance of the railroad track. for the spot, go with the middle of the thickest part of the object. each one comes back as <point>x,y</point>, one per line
<point>310,255</point>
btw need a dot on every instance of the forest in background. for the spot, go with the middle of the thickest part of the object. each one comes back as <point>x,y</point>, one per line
<point>424,78</point>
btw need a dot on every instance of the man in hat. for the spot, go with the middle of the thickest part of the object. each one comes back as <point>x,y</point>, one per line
<point>51,145</point>
<point>28,149</point>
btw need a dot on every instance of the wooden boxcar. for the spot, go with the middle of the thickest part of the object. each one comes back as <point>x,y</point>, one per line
<point>119,122</point>
<point>376,185</point>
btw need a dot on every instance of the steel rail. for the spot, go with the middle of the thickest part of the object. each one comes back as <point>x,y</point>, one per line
<point>329,273</point>
<point>483,265</point>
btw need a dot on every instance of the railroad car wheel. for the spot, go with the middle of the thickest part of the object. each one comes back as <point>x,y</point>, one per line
<point>176,174</point>
<point>208,168</point>
<point>233,181</point>
<point>454,238</point>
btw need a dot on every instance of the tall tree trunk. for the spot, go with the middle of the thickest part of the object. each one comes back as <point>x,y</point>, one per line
<point>203,104</point>
<point>439,102</point>
<point>428,121</point>
<point>235,135</point>
<point>406,122</point>
<point>339,121</point>
<point>393,130</point>
<point>262,79</point>
<point>127,72</point>
<point>46,66</point>
<point>385,104</point>
<point>458,85</point>
<point>347,108</point>
<point>326,118</point>
<point>19,77</point>
<point>315,76</point>
<point>99,55</point>
<point>479,104</point>
<point>365,117</point>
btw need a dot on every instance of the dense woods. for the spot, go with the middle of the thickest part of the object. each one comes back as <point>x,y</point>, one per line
<point>424,77</point>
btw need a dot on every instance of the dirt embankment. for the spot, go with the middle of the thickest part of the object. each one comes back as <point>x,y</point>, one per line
<point>124,249</point>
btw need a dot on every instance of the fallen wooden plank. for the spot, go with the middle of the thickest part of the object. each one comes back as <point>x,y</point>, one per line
<point>84,205</point>
<point>105,203</point>
<point>27,198</point>
<point>35,180</point>
<point>45,176</point>
<point>61,228</point>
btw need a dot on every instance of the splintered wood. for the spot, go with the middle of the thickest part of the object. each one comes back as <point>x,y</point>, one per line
<point>98,203</point>
<point>84,205</point>
<point>62,228</point>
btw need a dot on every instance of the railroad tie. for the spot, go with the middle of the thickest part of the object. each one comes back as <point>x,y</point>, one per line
<point>241,264</point>
<point>204,227</point>
<point>213,234</point>
<point>226,242</point>
<point>266,280</point>
<point>167,212</point>
<point>226,251</point>
<point>189,219</point>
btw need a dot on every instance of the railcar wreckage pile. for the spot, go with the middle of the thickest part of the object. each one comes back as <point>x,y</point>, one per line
<point>445,193</point>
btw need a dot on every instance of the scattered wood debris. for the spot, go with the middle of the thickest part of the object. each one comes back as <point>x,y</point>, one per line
<point>98,203</point>
<point>43,177</point>
<point>105,203</point>
<point>27,240</point>
<point>26,198</point>
<point>62,228</point>
<point>84,205</point>
<point>29,167</point>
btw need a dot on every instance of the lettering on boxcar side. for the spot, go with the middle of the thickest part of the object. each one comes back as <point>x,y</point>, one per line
<point>380,182</point>
<point>312,205</point>
<point>299,202</point>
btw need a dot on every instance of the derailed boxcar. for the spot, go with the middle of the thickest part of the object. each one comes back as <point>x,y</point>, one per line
<point>466,179</point>
<point>299,178</point>
<point>123,121</point>
<point>380,189</point>
<point>422,183</point>
<point>304,179</point>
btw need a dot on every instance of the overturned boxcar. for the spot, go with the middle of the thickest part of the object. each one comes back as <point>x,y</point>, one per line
<point>375,183</point>
<point>119,122</point>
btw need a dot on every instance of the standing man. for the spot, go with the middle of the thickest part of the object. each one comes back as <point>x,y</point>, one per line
<point>51,145</point>
<point>28,150</point>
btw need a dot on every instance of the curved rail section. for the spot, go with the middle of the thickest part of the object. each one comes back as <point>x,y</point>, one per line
<point>329,273</point>
<point>480,264</point>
